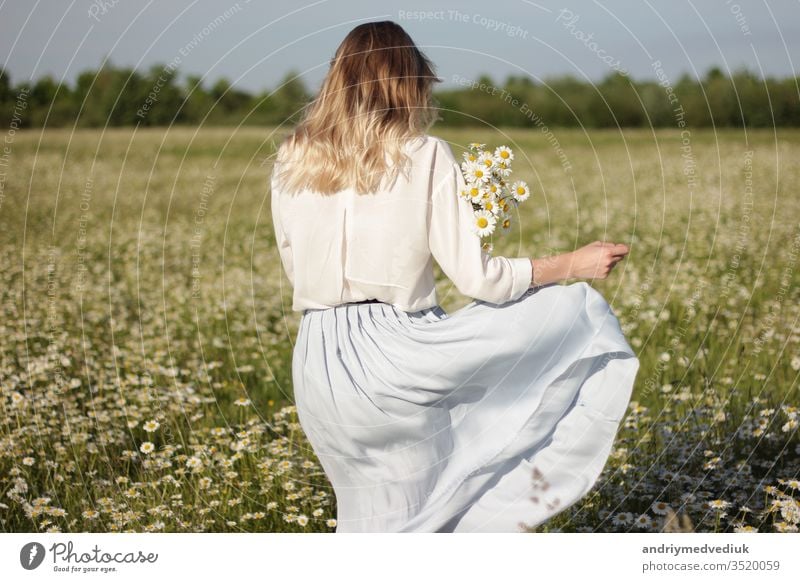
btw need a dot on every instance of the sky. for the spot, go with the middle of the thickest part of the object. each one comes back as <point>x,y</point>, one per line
<point>254,44</point>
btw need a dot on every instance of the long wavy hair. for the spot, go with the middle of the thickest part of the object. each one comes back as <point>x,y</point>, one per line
<point>376,96</point>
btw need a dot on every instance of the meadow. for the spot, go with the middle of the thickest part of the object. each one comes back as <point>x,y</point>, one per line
<point>147,331</point>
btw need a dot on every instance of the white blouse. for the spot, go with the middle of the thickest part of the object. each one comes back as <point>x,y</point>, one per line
<point>348,247</point>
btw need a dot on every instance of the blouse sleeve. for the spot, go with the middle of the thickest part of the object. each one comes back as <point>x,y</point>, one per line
<point>284,248</point>
<point>458,250</point>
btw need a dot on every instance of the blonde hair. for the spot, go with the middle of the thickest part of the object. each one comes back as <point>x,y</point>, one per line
<point>376,96</point>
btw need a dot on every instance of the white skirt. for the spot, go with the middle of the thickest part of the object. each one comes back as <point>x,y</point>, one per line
<point>487,419</point>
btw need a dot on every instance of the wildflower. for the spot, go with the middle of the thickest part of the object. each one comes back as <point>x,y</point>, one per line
<point>147,447</point>
<point>504,153</point>
<point>622,518</point>
<point>151,426</point>
<point>29,461</point>
<point>719,504</point>
<point>194,463</point>
<point>476,173</point>
<point>660,508</point>
<point>486,160</point>
<point>484,223</point>
<point>302,520</point>
<point>644,521</point>
<point>520,191</point>
<point>790,511</point>
<point>331,523</point>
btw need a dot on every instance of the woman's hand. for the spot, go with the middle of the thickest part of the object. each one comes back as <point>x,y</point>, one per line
<point>595,260</point>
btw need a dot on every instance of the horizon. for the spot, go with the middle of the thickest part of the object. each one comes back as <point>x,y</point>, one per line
<point>255,46</point>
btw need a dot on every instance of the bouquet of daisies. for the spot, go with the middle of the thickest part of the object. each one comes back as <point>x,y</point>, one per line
<point>489,189</point>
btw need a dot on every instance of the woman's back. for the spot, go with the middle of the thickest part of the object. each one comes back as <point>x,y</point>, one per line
<point>425,420</point>
<point>347,247</point>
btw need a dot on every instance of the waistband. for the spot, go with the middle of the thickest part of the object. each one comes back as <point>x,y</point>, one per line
<point>346,303</point>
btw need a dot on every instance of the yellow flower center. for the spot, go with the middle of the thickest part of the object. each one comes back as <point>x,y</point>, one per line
<point>483,222</point>
<point>520,190</point>
<point>504,154</point>
<point>474,192</point>
<point>478,173</point>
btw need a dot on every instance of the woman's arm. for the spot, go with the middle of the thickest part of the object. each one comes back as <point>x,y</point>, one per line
<point>593,261</point>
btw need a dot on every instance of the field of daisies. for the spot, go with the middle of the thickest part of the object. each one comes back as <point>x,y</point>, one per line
<point>147,331</point>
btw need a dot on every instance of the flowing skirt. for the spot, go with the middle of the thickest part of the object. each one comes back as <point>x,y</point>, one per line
<point>487,419</point>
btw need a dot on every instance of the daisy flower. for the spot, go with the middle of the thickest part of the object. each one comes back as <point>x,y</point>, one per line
<point>477,173</point>
<point>719,504</point>
<point>503,154</point>
<point>476,146</point>
<point>151,426</point>
<point>147,447</point>
<point>502,169</point>
<point>622,518</point>
<point>644,521</point>
<point>489,204</point>
<point>486,160</point>
<point>744,529</point>
<point>484,223</point>
<point>331,523</point>
<point>302,520</point>
<point>469,157</point>
<point>194,463</point>
<point>520,191</point>
<point>474,194</point>
<point>660,508</point>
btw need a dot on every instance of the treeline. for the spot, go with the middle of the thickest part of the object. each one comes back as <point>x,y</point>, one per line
<point>122,96</point>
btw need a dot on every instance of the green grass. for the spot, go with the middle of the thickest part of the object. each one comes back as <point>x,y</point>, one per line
<point>183,316</point>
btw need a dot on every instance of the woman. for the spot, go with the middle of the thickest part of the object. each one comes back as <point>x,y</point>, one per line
<point>498,415</point>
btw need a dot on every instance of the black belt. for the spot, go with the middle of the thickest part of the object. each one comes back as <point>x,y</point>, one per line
<point>367,301</point>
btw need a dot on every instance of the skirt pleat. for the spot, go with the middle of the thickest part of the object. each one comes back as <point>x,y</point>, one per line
<point>487,419</point>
